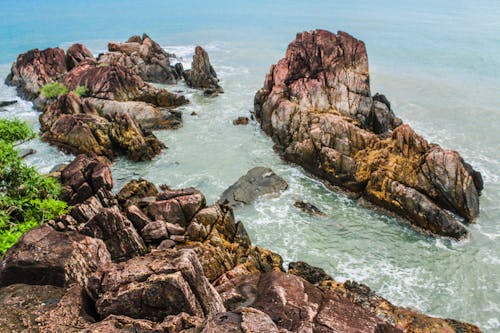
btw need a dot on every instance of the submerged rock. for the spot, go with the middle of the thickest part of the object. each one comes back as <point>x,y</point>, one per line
<point>145,57</point>
<point>257,182</point>
<point>317,106</point>
<point>202,75</point>
<point>241,121</point>
<point>6,103</point>
<point>308,208</point>
<point>309,273</point>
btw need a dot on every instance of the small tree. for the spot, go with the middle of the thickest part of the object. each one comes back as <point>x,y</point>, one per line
<point>27,199</point>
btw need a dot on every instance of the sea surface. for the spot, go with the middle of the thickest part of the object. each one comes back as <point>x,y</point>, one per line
<point>438,62</point>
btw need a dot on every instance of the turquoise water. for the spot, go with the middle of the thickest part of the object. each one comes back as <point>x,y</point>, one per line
<point>438,62</point>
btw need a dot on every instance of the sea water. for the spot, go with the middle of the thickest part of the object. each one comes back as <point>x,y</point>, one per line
<point>438,62</point>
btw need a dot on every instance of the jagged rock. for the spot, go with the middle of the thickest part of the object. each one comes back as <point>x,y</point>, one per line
<point>147,116</point>
<point>309,273</point>
<point>155,231</point>
<point>6,103</point>
<point>112,81</point>
<point>257,182</point>
<point>75,54</point>
<point>137,217</point>
<point>145,57</point>
<point>74,125</point>
<point>135,190</point>
<point>317,106</point>
<point>36,68</point>
<point>45,256</point>
<point>308,208</point>
<point>241,121</point>
<point>171,282</point>
<point>202,75</point>
<point>21,304</point>
<point>245,320</point>
<point>117,232</point>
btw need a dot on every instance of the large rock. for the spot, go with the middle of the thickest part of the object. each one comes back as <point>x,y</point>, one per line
<point>75,125</point>
<point>317,106</point>
<point>257,182</point>
<point>146,115</point>
<point>36,68</point>
<point>117,232</point>
<point>110,81</point>
<point>202,75</point>
<point>161,283</point>
<point>75,54</point>
<point>46,256</point>
<point>146,57</point>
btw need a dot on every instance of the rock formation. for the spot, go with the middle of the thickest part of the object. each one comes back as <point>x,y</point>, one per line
<point>317,106</point>
<point>257,182</point>
<point>118,109</point>
<point>99,269</point>
<point>144,56</point>
<point>202,75</point>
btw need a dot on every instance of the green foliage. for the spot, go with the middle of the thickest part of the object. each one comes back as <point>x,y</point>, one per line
<point>52,90</point>
<point>27,199</point>
<point>80,91</point>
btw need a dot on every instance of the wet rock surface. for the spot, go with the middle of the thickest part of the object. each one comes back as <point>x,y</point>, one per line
<point>98,269</point>
<point>308,208</point>
<point>317,106</point>
<point>257,182</point>
<point>202,75</point>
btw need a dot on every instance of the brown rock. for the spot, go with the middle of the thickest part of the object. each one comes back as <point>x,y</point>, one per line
<point>155,231</point>
<point>182,323</point>
<point>309,273</point>
<point>45,256</point>
<point>118,233</point>
<point>202,75</point>
<point>137,217</point>
<point>241,121</point>
<point>75,54</point>
<point>171,282</point>
<point>36,68</point>
<point>135,190</point>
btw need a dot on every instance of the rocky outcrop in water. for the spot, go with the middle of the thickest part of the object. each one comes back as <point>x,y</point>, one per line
<point>257,182</point>
<point>317,106</point>
<point>202,75</point>
<point>116,111</point>
<point>97,269</point>
<point>144,56</point>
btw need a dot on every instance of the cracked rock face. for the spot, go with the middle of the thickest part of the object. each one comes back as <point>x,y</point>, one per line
<point>317,106</point>
<point>202,75</point>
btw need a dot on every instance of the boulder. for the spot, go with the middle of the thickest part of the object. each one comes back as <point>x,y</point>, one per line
<point>74,125</point>
<point>117,232</point>
<point>202,75</point>
<point>75,54</point>
<point>135,190</point>
<point>161,283</point>
<point>317,106</point>
<point>35,68</point>
<point>241,121</point>
<point>143,55</point>
<point>257,182</point>
<point>45,256</point>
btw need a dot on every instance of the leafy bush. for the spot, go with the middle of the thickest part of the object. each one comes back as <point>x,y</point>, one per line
<point>52,90</point>
<point>27,199</point>
<point>80,91</point>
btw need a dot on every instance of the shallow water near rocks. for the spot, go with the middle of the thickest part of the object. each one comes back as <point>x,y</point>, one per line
<point>437,64</point>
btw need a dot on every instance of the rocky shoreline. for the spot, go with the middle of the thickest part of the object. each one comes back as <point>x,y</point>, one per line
<point>317,106</point>
<point>117,109</point>
<point>150,259</point>
<point>161,260</point>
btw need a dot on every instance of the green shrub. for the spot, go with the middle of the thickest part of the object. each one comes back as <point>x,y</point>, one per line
<point>27,199</point>
<point>80,91</point>
<point>52,90</point>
